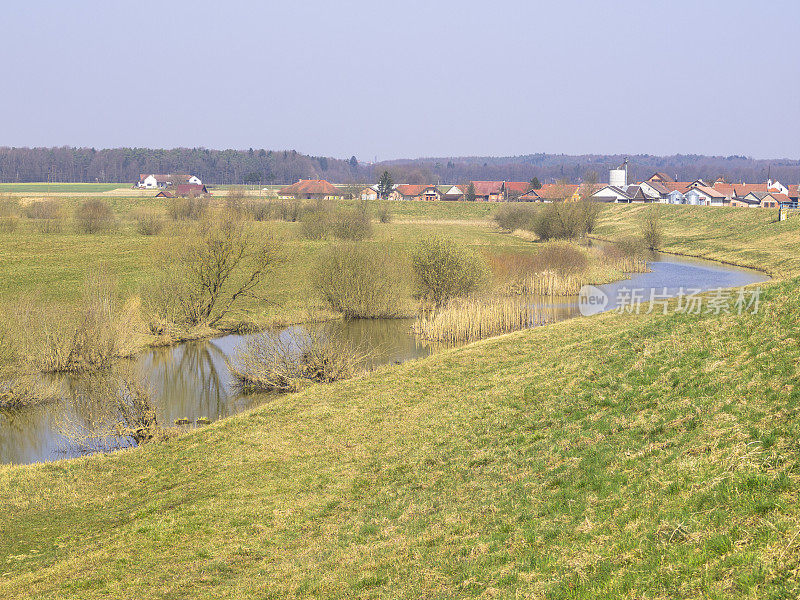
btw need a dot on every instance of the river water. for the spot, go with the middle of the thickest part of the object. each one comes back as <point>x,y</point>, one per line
<point>191,381</point>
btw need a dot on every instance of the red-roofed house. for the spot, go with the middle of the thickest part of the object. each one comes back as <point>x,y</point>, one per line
<point>487,191</point>
<point>411,191</point>
<point>191,189</point>
<point>513,190</point>
<point>311,189</point>
<point>704,195</point>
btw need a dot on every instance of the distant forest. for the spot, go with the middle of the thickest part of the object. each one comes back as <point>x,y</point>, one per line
<point>259,166</point>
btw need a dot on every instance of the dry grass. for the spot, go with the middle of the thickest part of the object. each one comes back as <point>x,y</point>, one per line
<point>467,320</point>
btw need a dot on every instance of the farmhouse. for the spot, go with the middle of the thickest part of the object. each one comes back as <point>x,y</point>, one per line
<point>191,189</point>
<point>158,180</point>
<point>368,193</point>
<point>310,189</point>
<point>410,191</point>
<point>451,192</point>
<point>487,191</point>
<point>704,195</point>
<point>165,194</point>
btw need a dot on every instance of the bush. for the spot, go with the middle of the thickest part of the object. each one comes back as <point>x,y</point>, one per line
<point>565,220</point>
<point>94,216</point>
<point>562,258</point>
<point>651,230</point>
<point>361,281</point>
<point>352,224</point>
<point>9,215</point>
<point>188,208</point>
<point>384,212</point>
<point>47,214</point>
<point>443,270</point>
<point>149,222</point>
<point>511,217</point>
<point>315,224</point>
<point>259,210</point>
<point>285,361</point>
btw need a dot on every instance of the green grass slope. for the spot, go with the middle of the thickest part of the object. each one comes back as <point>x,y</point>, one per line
<point>618,456</point>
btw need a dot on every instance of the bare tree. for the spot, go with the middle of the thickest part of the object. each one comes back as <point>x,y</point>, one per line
<point>207,279</point>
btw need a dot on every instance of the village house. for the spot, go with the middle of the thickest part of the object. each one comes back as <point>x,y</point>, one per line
<point>486,191</point>
<point>703,195</point>
<point>165,194</point>
<point>158,180</point>
<point>451,192</point>
<point>369,193</point>
<point>191,189</point>
<point>410,191</point>
<point>513,190</point>
<point>311,189</point>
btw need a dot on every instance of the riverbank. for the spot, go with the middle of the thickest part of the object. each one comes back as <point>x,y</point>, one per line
<point>617,456</point>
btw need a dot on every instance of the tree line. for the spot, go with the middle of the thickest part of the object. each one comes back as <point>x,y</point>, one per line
<point>261,166</point>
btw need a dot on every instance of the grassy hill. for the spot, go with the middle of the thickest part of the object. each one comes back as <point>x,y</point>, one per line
<point>616,456</point>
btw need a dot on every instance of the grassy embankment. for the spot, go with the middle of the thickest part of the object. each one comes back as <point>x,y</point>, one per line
<point>617,456</point>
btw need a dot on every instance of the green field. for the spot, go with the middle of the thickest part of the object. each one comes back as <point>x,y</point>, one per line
<point>61,188</point>
<point>618,456</point>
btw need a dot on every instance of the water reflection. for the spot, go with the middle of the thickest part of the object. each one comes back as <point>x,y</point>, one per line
<point>192,381</point>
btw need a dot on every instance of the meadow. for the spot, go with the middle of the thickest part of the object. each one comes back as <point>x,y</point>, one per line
<point>616,456</point>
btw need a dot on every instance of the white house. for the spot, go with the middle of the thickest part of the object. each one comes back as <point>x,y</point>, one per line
<point>676,197</point>
<point>156,180</point>
<point>706,196</point>
<point>611,193</point>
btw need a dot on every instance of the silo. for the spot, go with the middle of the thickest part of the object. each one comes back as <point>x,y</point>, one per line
<point>618,178</point>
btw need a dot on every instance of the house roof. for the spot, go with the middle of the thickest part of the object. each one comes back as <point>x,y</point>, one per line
<point>709,191</point>
<point>557,191</point>
<point>530,195</point>
<point>484,188</point>
<point>658,187</point>
<point>660,176</point>
<point>410,189</point>
<point>311,186</point>
<point>518,186</point>
<point>185,189</point>
<point>165,194</point>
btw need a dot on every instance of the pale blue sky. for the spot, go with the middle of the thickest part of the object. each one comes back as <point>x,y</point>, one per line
<point>405,79</point>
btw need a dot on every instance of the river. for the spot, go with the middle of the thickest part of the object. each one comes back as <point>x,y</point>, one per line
<point>191,381</point>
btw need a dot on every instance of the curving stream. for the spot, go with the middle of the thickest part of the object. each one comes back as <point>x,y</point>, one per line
<point>192,381</point>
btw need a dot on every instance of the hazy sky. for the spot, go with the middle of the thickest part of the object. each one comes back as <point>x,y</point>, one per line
<point>405,79</point>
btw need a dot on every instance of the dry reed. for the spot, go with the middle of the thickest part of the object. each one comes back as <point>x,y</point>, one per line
<point>463,321</point>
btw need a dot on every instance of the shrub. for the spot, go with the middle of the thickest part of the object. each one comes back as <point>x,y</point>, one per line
<point>384,212</point>
<point>285,361</point>
<point>259,210</point>
<point>315,224</point>
<point>443,270</point>
<point>94,216</point>
<point>565,220</point>
<point>651,230</point>
<point>149,222</point>
<point>511,217</point>
<point>561,257</point>
<point>361,281</point>
<point>9,215</point>
<point>47,214</point>
<point>187,208</point>
<point>122,411</point>
<point>351,224</point>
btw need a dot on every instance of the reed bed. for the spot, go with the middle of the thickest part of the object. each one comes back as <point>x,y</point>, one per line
<point>464,321</point>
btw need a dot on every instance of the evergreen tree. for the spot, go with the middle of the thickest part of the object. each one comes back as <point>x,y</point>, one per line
<point>535,185</point>
<point>353,163</point>
<point>385,184</point>
<point>470,193</point>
